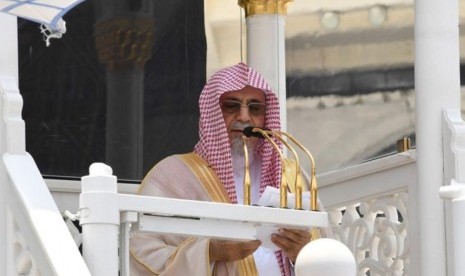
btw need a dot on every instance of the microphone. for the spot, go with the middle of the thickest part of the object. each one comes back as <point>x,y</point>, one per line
<point>247,181</point>
<point>313,183</point>
<point>262,133</point>
<point>265,134</point>
<point>251,131</point>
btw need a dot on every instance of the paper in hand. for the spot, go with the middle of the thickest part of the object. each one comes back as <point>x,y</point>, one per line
<point>270,198</point>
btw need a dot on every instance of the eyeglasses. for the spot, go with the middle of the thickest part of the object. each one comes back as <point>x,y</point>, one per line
<point>234,107</point>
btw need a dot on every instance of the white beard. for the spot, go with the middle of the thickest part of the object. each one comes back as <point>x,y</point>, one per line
<point>237,146</point>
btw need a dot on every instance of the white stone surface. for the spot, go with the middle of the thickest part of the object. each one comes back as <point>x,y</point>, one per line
<point>355,43</point>
<point>350,130</point>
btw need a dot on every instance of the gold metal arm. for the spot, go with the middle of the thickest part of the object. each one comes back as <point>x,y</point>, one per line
<point>313,184</point>
<point>298,180</point>
<point>246,173</point>
<point>283,185</point>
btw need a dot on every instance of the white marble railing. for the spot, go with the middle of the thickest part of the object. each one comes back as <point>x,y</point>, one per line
<point>39,242</point>
<point>367,206</point>
<point>34,237</point>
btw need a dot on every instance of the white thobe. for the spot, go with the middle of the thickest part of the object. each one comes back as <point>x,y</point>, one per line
<point>265,258</point>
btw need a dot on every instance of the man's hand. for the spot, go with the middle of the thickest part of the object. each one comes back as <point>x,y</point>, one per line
<point>223,250</point>
<point>291,241</point>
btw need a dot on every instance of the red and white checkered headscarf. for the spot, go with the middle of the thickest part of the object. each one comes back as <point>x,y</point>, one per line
<point>214,146</point>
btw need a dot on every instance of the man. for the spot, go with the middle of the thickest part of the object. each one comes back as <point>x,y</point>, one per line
<point>233,98</point>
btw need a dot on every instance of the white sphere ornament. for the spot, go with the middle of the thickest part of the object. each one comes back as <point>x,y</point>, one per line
<point>100,169</point>
<point>325,257</point>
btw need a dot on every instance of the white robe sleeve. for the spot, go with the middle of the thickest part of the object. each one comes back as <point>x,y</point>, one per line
<point>155,254</point>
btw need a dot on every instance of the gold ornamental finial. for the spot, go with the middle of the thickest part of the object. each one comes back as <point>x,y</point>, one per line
<point>253,7</point>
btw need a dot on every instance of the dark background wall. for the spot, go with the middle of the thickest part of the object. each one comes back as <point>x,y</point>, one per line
<point>64,88</point>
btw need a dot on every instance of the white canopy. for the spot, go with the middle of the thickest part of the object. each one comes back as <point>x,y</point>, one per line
<point>46,12</point>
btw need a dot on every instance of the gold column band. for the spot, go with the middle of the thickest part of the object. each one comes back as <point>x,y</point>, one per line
<point>124,43</point>
<point>253,7</point>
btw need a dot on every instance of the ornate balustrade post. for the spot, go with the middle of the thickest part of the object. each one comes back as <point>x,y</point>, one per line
<point>100,219</point>
<point>453,191</point>
<point>266,44</point>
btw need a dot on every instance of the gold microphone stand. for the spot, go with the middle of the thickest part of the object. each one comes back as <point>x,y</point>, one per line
<point>298,180</point>
<point>315,233</point>
<point>283,187</point>
<point>313,183</point>
<point>246,173</point>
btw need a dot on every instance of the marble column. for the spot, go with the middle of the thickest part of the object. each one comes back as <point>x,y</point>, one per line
<point>437,88</point>
<point>266,53</point>
<point>124,41</point>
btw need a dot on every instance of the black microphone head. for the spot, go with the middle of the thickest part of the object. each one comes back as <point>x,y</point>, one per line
<point>248,131</point>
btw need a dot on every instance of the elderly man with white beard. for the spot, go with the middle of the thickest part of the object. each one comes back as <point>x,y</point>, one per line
<point>232,99</point>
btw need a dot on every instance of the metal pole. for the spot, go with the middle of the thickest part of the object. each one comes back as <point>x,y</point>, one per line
<point>99,217</point>
<point>127,218</point>
<point>437,86</point>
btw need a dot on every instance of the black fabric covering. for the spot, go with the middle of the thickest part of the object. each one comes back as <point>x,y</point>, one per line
<point>64,86</point>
